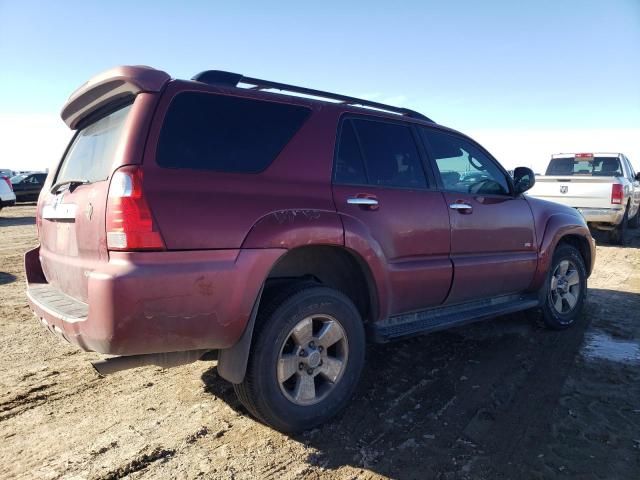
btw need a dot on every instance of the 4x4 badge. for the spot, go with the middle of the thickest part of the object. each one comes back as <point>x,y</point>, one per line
<point>564,189</point>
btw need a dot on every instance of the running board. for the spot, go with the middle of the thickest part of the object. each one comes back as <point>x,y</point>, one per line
<point>449,316</point>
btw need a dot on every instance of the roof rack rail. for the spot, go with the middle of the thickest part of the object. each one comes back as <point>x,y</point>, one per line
<point>230,79</point>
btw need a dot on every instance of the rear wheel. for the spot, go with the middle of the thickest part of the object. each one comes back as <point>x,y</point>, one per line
<point>306,359</point>
<point>565,290</point>
<point>618,234</point>
<point>635,221</point>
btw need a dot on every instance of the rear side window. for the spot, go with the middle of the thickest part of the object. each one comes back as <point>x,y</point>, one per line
<point>92,151</point>
<point>204,131</point>
<point>378,153</point>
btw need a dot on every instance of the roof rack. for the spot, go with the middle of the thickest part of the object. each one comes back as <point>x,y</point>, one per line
<point>230,79</point>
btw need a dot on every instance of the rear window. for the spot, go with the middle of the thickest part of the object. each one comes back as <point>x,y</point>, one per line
<point>92,151</point>
<point>592,166</point>
<point>204,131</point>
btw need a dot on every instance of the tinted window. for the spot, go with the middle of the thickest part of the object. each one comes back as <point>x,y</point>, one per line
<point>349,165</point>
<point>463,167</point>
<point>229,134</point>
<point>593,166</point>
<point>390,154</point>
<point>91,154</point>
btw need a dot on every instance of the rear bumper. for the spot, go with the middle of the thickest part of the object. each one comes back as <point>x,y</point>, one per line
<point>155,302</point>
<point>612,216</point>
<point>7,199</point>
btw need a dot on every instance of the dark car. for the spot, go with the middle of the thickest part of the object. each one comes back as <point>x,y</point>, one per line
<point>27,186</point>
<point>283,231</point>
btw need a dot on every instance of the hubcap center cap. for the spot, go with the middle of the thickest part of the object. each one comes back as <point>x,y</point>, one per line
<point>313,360</point>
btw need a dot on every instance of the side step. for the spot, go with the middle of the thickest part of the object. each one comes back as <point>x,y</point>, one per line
<point>444,317</point>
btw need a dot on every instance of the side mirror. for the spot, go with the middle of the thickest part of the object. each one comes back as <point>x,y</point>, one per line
<point>523,179</point>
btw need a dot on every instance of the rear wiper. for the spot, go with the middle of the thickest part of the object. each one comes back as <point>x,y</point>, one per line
<point>74,182</point>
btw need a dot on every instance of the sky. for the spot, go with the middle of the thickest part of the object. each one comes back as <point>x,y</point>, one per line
<point>525,79</point>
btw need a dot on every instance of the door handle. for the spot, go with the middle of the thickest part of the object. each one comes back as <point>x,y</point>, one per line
<point>461,207</point>
<point>365,201</point>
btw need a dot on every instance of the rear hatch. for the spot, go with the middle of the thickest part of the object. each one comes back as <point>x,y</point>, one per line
<point>112,122</point>
<point>72,225</point>
<point>580,181</point>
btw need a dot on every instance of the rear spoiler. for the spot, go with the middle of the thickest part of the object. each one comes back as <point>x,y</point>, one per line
<point>107,87</point>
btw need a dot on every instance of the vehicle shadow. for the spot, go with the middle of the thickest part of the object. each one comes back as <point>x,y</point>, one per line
<point>16,221</point>
<point>438,405</point>
<point>6,278</point>
<point>632,239</point>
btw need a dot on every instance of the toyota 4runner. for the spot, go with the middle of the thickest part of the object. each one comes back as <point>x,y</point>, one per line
<point>283,227</point>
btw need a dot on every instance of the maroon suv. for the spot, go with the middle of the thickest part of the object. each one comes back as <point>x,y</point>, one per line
<point>282,230</point>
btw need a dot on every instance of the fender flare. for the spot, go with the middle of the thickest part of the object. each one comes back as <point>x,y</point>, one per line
<point>557,227</point>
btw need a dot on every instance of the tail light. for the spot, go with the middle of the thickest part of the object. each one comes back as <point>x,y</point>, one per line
<point>617,194</point>
<point>6,179</point>
<point>130,225</point>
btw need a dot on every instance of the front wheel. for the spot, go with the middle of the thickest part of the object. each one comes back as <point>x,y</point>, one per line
<point>306,358</point>
<point>565,290</point>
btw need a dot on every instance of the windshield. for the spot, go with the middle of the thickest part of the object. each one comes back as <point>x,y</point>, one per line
<point>91,154</point>
<point>18,179</point>
<point>592,166</point>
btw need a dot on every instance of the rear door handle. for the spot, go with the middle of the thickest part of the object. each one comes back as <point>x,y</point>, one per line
<point>461,207</point>
<point>366,201</point>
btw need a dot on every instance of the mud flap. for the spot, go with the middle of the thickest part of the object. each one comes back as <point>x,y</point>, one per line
<point>232,362</point>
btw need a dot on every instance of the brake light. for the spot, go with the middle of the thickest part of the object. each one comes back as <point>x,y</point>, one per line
<point>617,194</point>
<point>6,179</point>
<point>130,224</point>
<point>584,155</point>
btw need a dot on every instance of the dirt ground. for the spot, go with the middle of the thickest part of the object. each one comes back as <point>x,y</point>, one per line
<point>498,400</point>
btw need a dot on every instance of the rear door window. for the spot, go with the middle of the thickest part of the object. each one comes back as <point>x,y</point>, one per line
<point>378,153</point>
<point>204,131</point>
<point>92,152</point>
<point>349,167</point>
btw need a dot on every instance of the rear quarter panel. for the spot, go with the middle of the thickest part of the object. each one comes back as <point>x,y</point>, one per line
<point>198,209</point>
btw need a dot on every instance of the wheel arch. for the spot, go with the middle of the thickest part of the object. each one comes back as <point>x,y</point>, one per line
<point>563,227</point>
<point>582,245</point>
<point>333,266</point>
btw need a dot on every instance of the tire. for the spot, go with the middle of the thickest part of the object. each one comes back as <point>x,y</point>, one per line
<point>285,360</point>
<point>562,300</point>
<point>635,221</point>
<point>618,234</point>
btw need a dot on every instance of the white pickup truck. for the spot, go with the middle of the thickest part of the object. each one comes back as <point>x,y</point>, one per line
<point>602,186</point>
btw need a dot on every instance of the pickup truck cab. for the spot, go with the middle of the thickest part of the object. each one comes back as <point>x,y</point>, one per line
<point>284,232</point>
<point>603,187</point>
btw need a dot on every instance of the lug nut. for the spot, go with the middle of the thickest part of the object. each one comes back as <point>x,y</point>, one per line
<point>320,348</point>
<point>312,345</point>
<point>310,371</point>
<point>301,366</point>
<point>302,353</point>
